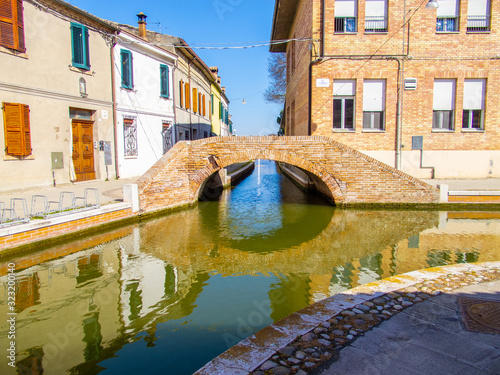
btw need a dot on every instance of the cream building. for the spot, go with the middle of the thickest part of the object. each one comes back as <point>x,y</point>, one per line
<point>55,90</point>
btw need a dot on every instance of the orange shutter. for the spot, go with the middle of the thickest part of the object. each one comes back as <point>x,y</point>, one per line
<point>204,107</point>
<point>195,101</point>
<point>26,130</point>
<point>187,93</point>
<point>12,24</point>
<point>181,94</point>
<point>17,129</point>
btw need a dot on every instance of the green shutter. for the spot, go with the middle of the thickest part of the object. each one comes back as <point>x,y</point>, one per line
<point>80,46</point>
<point>127,69</point>
<point>212,103</point>
<point>164,82</point>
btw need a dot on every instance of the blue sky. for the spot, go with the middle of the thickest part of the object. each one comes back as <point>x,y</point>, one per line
<point>216,23</point>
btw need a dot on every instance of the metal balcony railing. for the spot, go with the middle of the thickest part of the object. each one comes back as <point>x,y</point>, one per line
<point>478,23</point>
<point>345,25</point>
<point>447,24</point>
<point>376,24</point>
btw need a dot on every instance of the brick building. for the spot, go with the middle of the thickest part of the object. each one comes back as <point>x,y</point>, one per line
<point>416,88</point>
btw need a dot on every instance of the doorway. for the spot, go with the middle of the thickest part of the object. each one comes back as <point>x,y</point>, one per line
<point>83,150</point>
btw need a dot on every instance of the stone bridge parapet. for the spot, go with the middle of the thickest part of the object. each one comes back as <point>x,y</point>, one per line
<point>346,175</point>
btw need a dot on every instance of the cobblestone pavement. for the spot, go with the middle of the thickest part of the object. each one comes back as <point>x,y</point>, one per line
<point>444,325</point>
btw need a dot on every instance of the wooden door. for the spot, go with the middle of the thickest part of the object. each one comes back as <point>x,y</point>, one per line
<point>83,150</point>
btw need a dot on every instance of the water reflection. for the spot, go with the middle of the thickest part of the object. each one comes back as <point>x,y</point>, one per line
<point>170,294</point>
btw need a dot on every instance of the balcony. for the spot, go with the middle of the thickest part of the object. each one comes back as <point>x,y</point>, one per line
<point>447,24</point>
<point>478,24</point>
<point>345,25</point>
<point>376,24</point>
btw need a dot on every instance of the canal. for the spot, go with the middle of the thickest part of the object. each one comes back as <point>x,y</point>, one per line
<point>169,294</point>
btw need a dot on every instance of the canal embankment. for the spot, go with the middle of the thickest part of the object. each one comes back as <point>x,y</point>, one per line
<point>418,308</point>
<point>114,210</point>
<point>107,208</point>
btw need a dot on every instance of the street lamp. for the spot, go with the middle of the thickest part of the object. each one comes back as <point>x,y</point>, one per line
<point>432,4</point>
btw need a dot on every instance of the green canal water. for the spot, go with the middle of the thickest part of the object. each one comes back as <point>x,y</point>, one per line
<point>168,295</point>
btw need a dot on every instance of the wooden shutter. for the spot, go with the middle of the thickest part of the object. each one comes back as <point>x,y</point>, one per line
<point>127,69</point>
<point>165,92</point>
<point>17,129</point>
<point>188,96</point>
<point>181,94</point>
<point>12,25</point>
<point>204,106</point>
<point>195,101</point>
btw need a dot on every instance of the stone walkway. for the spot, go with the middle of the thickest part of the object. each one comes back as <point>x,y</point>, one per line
<point>405,324</point>
<point>428,338</point>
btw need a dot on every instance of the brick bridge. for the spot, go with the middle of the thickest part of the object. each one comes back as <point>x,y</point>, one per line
<point>340,172</point>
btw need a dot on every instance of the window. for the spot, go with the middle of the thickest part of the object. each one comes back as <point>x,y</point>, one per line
<point>12,25</point>
<point>345,16</point>
<point>164,81</point>
<point>374,105</point>
<point>376,16</point>
<point>473,115</point>
<point>187,95</point>
<point>16,122</point>
<point>344,93</point>
<point>444,104</point>
<point>130,136</point>
<point>478,16</point>
<point>447,16</point>
<point>127,69</point>
<point>181,93</point>
<point>195,101</point>
<point>80,46</point>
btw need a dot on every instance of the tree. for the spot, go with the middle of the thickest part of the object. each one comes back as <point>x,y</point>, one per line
<point>276,91</point>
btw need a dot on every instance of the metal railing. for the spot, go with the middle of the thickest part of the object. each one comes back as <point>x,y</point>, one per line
<point>447,24</point>
<point>376,24</point>
<point>345,25</point>
<point>478,23</point>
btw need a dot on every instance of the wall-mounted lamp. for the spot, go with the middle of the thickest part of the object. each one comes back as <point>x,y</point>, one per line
<point>432,4</point>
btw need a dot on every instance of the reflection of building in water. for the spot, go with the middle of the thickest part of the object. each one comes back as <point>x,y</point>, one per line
<point>80,310</point>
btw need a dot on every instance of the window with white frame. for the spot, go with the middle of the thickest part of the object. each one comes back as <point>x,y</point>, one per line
<point>444,104</point>
<point>345,16</point>
<point>344,93</point>
<point>130,136</point>
<point>376,16</point>
<point>447,16</point>
<point>374,105</point>
<point>478,16</point>
<point>474,94</point>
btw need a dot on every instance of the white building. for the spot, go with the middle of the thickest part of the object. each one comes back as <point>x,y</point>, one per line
<point>143,89</point>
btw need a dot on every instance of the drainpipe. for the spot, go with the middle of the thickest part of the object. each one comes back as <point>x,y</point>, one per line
<point>399,111</point>
<point>113,94</point>
<point>317,61</point>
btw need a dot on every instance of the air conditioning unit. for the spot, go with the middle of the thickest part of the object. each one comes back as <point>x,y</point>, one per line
<point>410,83</point>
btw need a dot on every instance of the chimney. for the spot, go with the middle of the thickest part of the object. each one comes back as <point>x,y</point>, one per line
<point>218,80</point>
<point>223,89</point>
<point>214,70</point>
<point>142,25</point>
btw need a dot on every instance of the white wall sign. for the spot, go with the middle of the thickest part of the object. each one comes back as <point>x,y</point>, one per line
<point>322,82</point>
<point>104,114</point>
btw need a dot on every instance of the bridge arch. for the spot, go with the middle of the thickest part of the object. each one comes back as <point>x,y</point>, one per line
<point>350,176</point>
<point>332,189</point>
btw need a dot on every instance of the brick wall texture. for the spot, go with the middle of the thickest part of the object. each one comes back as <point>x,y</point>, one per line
<point>426,55</point>
<point>350,177</point>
